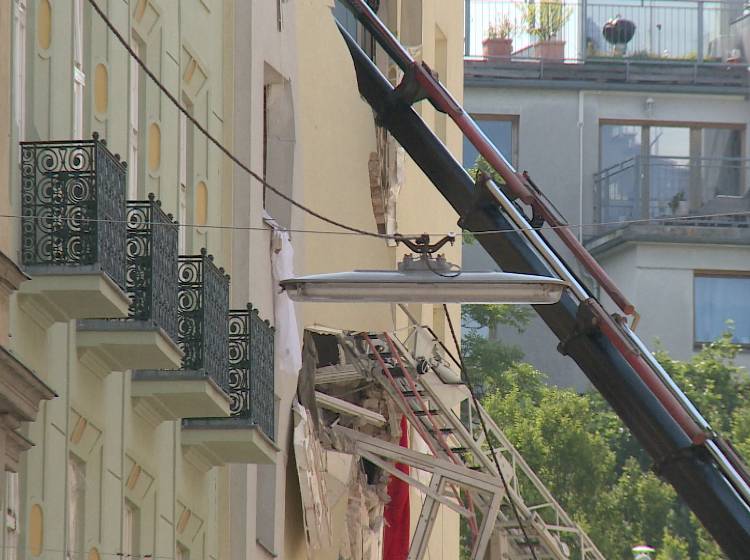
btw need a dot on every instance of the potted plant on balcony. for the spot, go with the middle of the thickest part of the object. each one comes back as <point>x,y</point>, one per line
<point>679,205</point>
<point>499,40</point>
<point>544,20</point>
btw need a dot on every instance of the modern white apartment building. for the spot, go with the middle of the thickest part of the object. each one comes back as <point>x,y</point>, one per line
<point>642,145</point>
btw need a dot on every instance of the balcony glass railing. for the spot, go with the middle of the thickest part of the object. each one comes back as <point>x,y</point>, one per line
<point>645,188</point>
<point>203,316</point>
<point>73,207</point>
<point>251,368</point>
<point>152,265</point>
<point>671,30</point>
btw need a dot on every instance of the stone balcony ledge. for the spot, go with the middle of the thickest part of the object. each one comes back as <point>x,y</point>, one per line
<point>176,394</point>
<point>112,345</point>
<point>209,442</point>
<point>59,294</point>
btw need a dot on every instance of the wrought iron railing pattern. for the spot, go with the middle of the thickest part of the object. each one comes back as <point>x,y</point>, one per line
<point>73,206</point>
<point>251,368</point>
<point>203,315</point>
<point>152,264</point>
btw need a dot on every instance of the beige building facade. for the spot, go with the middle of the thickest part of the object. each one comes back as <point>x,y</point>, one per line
<point>165,424</point>
<point>353,171</point>
<point>127,315</point>
<point>22,390</point>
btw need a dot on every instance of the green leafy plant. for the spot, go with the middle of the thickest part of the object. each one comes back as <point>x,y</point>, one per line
<point>501,29</point>
<point>674,204</point>
<point>545,19</point>
<point>587,457</point>
<point>482,166</point>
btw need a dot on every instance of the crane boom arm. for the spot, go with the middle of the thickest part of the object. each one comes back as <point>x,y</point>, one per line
<point>702,467</point>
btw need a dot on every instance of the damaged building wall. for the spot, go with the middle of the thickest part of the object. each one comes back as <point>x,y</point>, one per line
<point>340,395</point>
<point>338,133</point>
<point>338,136</point>
<point>355,490</point>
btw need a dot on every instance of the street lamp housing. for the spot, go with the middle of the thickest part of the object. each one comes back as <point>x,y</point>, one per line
<point>424,280</point>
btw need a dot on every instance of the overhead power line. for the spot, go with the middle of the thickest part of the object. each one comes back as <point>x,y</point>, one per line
<point>669,219</point>
<point>347,229</point>
<point>487,438</point>
<point>217,143</point>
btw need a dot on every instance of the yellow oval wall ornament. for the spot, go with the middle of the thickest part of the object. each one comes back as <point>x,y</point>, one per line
<point>101,89</point>
<point>44,25</point>
<point>93,554</point>
<point>201,204</point>
<point>154,147</point>
<point>36,530</point>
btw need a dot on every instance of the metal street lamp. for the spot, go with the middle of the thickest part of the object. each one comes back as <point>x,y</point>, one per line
<point>424,278</point>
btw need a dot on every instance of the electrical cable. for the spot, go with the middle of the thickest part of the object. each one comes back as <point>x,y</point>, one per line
<point>330,232</point>
<point>218,144</point>
<point>347,228</point>
<point>474,399</point>
<point>436,272</point>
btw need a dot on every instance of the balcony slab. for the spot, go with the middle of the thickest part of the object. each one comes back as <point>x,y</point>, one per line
<point>210,442</point>
<point>21,390</point>
<point>54,295</point>
<point>122,345</point>
<point>173,395</point>
<point>609,74</point>
<point>685,233</point>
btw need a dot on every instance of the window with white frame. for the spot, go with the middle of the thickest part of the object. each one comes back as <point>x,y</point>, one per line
<point>721,303</point>
<point>19,67</point>
<point>667,163</point>
<point>12,505</point>
<point>79,75</point>
<point>130,530</point>
<point>76,508</point>
<point>265,519</point>
<point>357,31</point>
<point>134,121</point>
<point>185,149</point>
<point>502,130</point>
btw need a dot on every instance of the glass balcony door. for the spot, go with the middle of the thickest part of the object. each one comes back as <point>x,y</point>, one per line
<point>659,170</point>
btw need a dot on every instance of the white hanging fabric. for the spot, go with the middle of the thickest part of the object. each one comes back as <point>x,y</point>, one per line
<point>288,348</point>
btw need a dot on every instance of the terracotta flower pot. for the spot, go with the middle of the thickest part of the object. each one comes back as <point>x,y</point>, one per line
<point>497,48</point>
<point>551,51</point>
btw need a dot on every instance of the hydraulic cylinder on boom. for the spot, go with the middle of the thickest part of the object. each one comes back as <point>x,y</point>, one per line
<point>702,467</point>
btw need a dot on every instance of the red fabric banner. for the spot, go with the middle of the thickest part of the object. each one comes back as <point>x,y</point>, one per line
<point>396,514</point>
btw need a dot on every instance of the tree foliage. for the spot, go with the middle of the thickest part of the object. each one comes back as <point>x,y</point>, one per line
<point>586,456</point>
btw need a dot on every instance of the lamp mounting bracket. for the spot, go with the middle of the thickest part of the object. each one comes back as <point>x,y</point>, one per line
<point>421,243</point>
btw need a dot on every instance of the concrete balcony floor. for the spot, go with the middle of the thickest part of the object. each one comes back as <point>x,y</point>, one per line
<point>61,294</point>
<point>111,345</point>
<point>209,442</point>
<point>173,395</point>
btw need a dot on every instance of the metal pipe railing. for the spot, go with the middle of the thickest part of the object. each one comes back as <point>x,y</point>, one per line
<point>697,31</point>
<point>644,188</point>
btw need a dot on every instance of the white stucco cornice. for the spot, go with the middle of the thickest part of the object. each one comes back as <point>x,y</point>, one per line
<point>21,390</point>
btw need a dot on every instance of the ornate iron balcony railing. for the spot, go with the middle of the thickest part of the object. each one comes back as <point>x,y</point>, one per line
<point>151,280</point>
<point>73,206</point>
<point>251,368</point>
<point>203,317</point>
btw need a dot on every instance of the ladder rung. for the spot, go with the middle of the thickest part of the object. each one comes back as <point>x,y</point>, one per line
<point>432,412</point>
<point>442,430</point>
<point>395,371</point>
